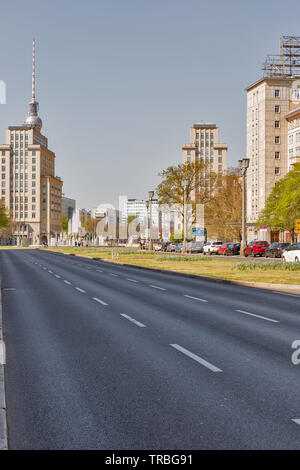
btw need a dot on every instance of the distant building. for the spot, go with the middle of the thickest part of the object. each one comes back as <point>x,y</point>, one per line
<point>29,187</point>
<point>293,120</point>
<point>271,121</point>
<point>68,206</point>
<point>204,145</point>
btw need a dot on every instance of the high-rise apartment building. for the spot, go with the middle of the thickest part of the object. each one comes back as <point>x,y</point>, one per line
<point>270,101</point>
<point>204,145</point>
<point>29,187</point>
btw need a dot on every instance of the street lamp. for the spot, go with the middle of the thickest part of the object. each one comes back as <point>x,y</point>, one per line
<point>185,183</point>
<point>147,207</point>
<point>244,165</point>
<point>151,194</point>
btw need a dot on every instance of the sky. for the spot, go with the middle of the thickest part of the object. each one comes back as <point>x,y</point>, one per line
<point>120,82</point>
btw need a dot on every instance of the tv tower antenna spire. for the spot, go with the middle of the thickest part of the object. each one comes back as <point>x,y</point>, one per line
<point>33,120</point>
<point>33,69</point>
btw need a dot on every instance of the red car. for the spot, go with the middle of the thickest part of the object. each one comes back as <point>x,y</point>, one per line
<point>256,248</point>
<point>223,249</point>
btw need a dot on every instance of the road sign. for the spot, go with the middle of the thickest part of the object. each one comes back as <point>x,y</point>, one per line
<point>199,232</point>
<point>297,226</point>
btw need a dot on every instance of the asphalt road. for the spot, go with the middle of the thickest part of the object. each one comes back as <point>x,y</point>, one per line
<point>101,356</point>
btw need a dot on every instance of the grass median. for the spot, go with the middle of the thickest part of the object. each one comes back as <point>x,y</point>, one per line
<point>269,272</point>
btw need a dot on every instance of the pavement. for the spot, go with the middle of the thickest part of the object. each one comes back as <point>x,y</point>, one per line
<point>3,430</point>
<point>102,356</point>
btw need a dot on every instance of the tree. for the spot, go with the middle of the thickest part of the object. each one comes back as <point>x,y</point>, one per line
<point>90,226</point>
<point>199,176</point>
<point>282,207</point>
<point>64,223</point>
<point>226,208</point>
<point>4,217</point>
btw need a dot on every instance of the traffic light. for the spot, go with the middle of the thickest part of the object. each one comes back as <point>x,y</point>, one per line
<point>297,226</point>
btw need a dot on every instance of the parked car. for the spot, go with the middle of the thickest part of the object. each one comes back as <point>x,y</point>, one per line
<point>157,246</point>
<point>292,254</point>
<point>276,249</point>
<point>256,248</point>
<point>222,250</point>
<point>171,247</point>
<point>211,247</point>
<point>178,248</point>
<point>194,247</point>
<point>233,249</point>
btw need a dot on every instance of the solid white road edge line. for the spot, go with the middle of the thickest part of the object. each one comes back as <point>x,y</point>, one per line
<point>99,301</point>
<point>195,298</point>
<point>258,316</point>
<point>80,290</point>
<point>137,323</point>
<point>157,287</point>
<point>196,358</point>
<point>2,353</point>
<point>285,293</point>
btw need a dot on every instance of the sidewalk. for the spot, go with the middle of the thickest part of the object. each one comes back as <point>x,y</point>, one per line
<point>3,434</point>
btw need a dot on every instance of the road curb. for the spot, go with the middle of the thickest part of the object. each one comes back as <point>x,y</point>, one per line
<point>3,423</point>
<point>287,288</point>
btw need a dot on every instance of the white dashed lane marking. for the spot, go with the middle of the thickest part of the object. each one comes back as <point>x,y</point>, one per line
<point>57,275</point>
<point>131,280</point>
<point>195,298</point>
<point>258,316</point>
<point>196,358</point>
<point>67,282</point>
<point>80,290</point>
<point>157,287</point>
<point>137,323</point>
<point>99,301</point>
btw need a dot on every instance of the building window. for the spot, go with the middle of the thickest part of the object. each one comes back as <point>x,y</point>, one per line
<point>277,108</point>
<point>277,124</point>
<point>219,152</point>
<point>189,152</point>
<point>33,184</point>
<point>277,93</point>
<point>277,139</point>
<point>188,159</point>
<point>33,160</point>
<point>33,215</point>
<point>277,155</point>
<point>3,153</point>
<point>3,191</point>
<point>33,153</point>
<point>220,159</point>
<point>33,176</point>
<point>277,171</point>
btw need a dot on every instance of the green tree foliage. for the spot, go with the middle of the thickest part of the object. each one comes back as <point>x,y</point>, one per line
<point>64,223</point>
<point>226,208</point>
<point>171,190</point>
<point>283,205</point>
<point>4,217</point>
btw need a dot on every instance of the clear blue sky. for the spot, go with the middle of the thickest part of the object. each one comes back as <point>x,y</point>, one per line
<point>120,82</point>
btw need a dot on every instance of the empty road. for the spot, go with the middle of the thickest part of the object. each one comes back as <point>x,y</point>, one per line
<point>101,356</point>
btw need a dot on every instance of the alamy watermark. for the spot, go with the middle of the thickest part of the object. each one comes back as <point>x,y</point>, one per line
<point>296,353</point>
<point>2,92</point>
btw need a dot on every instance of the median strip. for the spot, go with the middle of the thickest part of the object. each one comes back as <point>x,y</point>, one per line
<point>196,358</point>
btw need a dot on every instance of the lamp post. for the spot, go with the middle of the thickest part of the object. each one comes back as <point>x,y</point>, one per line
<point>148,237</point>
<point>185,183</point>
<point>244,164</point>
<point>151,194</point>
